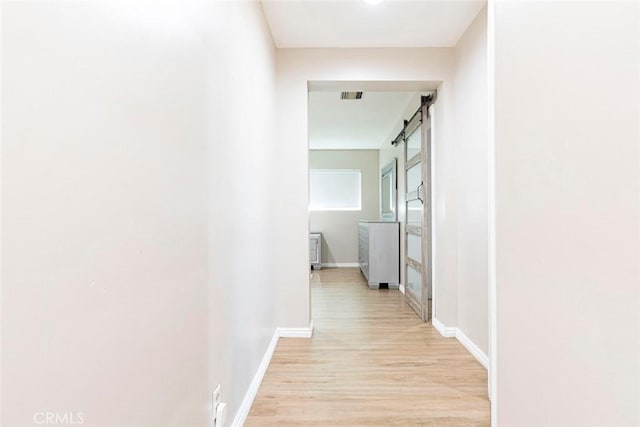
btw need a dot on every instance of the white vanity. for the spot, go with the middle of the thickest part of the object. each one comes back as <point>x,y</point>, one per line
<point>379,253</point>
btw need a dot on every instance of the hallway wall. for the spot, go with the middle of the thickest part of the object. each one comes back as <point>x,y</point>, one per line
<point>136,197</point>
<point>471,109</point>
<point>567,213</point>
<point>242,196</point>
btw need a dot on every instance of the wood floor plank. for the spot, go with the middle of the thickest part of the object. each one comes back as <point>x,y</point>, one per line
<point>371,362</point>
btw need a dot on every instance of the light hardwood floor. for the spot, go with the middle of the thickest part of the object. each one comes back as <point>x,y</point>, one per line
<point>370,362</point>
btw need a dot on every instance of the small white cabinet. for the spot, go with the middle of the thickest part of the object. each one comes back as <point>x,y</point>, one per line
<point>379,253</point>
<point>315,250</point>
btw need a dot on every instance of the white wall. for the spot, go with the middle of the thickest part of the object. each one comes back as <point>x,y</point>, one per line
<point>567,213</point>
<point>241,145</point>
<point>470,99</point>
<point>134,196</point>
<point>296,67</point>
<point>340,228</point>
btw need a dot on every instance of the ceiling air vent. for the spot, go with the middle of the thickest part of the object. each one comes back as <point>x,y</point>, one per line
<point>351,95</point>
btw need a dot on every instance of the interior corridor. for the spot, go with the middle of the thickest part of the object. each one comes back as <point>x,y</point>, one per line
<point>371,361</point>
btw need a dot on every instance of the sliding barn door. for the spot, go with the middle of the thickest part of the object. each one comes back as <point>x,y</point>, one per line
<point>417,137</point>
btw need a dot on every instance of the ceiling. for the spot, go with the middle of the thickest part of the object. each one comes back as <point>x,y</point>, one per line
<point>354,124</point>
<point>365,123</point>
<point>353,23</point>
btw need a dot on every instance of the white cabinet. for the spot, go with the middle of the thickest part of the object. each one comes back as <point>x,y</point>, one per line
<point>379,253</point>
<point>315,250</point>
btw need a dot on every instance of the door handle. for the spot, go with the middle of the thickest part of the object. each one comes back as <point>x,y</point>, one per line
<point>419,192</point>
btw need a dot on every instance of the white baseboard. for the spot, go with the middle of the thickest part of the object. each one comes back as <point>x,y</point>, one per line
<point>296,332</point>
<point>401,288</point>
<point>445,331</point>
<point>340,264</point>
<point>252,391</point>
<point>473,348</point>
<point>451,332</point>
<point>245,406</point>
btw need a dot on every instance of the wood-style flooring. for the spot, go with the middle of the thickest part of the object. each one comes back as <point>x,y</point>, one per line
<point>371,362</point>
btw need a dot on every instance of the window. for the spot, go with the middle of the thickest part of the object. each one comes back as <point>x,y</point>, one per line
<point>334,190</point>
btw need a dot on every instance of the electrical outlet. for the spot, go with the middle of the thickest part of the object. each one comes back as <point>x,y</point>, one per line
<point>220,414</point>
<point>216,400</point>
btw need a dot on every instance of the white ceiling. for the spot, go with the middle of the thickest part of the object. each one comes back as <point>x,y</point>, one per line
<point>354,124</point>
<point>365,123</point>
<point>353,23</point>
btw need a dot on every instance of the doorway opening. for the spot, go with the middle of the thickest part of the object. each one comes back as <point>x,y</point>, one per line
<point>361,216</point>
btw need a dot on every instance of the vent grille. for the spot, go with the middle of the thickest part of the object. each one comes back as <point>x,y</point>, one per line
<point>351,95</point>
